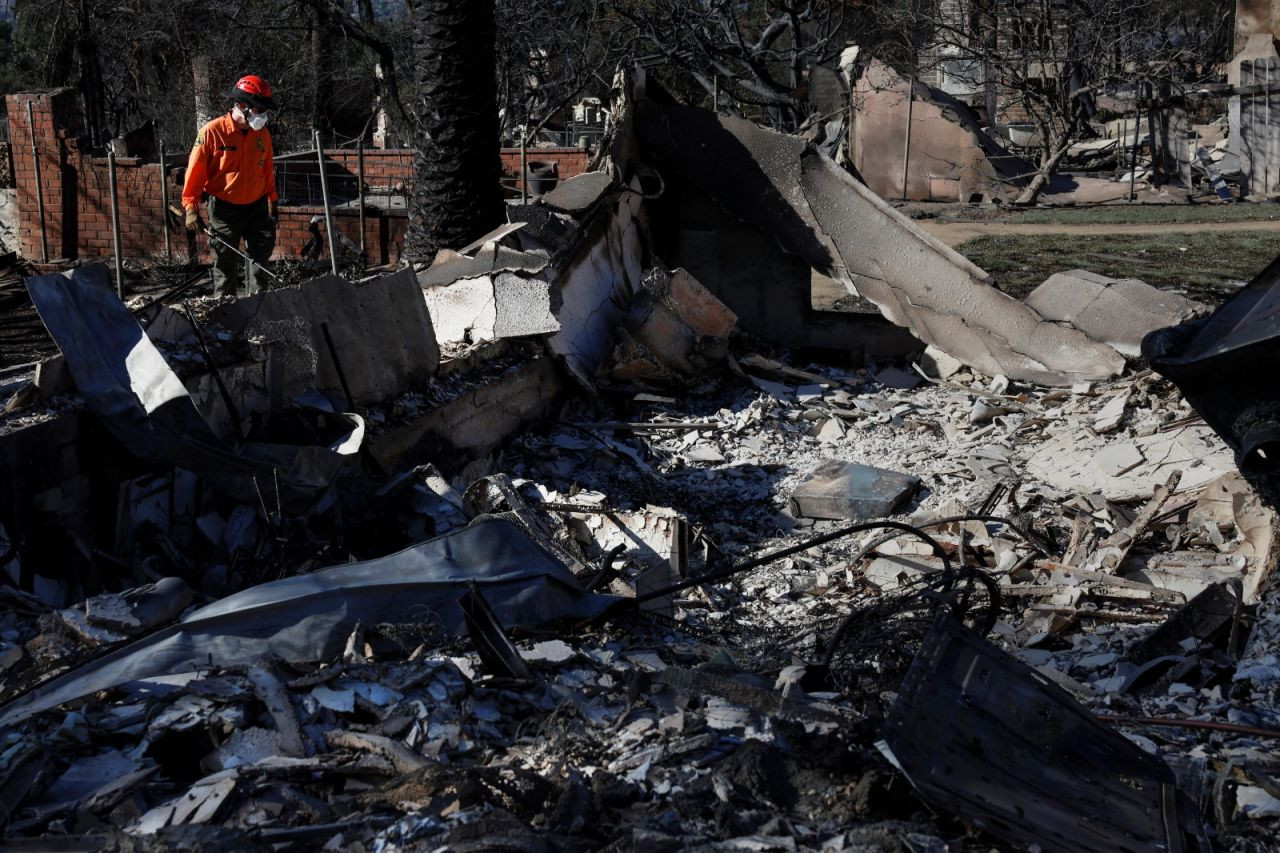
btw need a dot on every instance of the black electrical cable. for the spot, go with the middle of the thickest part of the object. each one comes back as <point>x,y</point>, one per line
<point>813,542</point>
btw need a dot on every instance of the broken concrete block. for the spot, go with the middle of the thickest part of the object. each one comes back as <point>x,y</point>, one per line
<point>522,307</point>
<point>847,490</point>
<point>896,572</point>
<point>696,306</point>
<point>938,364</point>
<point>1118,312</point>
<point>490,307</point>
<point>830,432</point>
<point>1111,414</point>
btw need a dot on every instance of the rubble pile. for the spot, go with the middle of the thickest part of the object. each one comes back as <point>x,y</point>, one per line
<point>732,720</point>
<point>562,559</point>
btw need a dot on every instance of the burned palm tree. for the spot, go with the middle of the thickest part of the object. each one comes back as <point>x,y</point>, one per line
<point>456,195</point>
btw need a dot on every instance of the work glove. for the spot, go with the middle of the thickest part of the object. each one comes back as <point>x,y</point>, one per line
<point>273,209</point>
<point>193,219</point>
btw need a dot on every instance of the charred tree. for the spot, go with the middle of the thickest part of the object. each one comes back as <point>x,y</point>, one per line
<point>456,196</point>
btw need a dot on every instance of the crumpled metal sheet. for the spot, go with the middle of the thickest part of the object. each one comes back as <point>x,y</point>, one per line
<point>996,743</point>
<point>1213,362</point>
<point>308,618</point>
<point>127,383</point>
<point>121,375</point>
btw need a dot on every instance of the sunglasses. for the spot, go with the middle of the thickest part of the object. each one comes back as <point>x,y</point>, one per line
<point>250,108</point>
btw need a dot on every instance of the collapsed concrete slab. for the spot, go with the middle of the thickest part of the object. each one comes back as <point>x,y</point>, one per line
<point>818,212</point>
<point>1114,311</point>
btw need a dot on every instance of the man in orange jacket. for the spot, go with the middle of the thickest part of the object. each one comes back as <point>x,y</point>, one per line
<point>231,163</point>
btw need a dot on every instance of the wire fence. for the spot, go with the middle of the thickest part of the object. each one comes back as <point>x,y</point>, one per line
<point>386,178</point>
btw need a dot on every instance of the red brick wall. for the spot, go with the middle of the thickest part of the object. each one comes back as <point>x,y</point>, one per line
<point>383,232</point>
<point>572,161</point>
<point>76,189</point>
<point>56,120</point>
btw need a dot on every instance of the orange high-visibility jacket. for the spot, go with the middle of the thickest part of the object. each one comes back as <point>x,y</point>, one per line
<point>231,164</point>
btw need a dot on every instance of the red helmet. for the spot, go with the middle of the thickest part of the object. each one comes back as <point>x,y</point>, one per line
<point>254,90</point>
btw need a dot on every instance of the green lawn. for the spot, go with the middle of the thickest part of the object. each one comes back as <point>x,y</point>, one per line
<point>1147,213</point>
<point>1201,265</point>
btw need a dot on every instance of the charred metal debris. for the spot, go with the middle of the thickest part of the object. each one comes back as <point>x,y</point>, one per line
<point>571,541</point>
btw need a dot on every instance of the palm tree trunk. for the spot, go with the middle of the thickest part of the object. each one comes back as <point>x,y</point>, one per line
<point>456,196</point>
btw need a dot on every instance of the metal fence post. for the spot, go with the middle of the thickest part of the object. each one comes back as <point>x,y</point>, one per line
<point>328,212</point>
<point>524,164</point>
<point>164,204</point>
<point>906,142</point>
<point>360,193</point>
<point>115,221</point>
<point>35,156</point>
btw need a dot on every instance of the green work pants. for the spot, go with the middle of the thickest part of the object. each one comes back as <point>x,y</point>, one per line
<point>231,222</point>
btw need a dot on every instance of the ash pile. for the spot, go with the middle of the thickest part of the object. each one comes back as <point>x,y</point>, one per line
<point>570,541</point>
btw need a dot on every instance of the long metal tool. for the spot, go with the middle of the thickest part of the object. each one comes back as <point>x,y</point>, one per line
<point>35,157</point>
<point>115,221</point>
<point>164,204</point>
<point>208,232</point>
<point>328,211</point>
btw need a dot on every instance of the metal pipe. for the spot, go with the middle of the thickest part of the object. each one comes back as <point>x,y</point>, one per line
<point>524,163</point>
<point>328,212</point>
<point>35,157</point>
<point>1137,140</point>
<point>360,190</point>
<point>164,204</point>
<point>115,221</point>
<point>1211,725</point>
<point>906,145</point>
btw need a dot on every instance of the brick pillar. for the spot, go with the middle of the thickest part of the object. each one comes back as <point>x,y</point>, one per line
<point>56,119</point>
